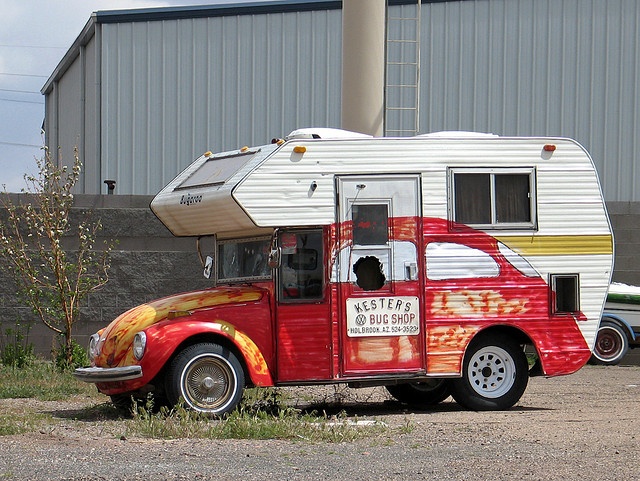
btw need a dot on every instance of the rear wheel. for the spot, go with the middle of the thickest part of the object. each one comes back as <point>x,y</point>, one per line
<point>427,393</point>
<point>611,344</point>
<point>207,377</point>
<point>494,375</point>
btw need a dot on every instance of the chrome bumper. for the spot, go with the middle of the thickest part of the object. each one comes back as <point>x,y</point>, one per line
<point>107,374</point>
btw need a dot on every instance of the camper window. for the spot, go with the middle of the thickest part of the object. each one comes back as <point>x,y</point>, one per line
<point>566,293</point>
<point>498,198</point>
<point>216,170</point>
<point>370,224</point>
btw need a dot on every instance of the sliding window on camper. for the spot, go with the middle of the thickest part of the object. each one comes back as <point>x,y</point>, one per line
<point>497,198</point>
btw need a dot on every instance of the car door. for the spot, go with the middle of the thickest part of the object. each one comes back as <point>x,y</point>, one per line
<point>303,320</point>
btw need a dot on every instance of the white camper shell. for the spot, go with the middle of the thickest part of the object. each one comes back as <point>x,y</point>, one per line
<point>295,183</point>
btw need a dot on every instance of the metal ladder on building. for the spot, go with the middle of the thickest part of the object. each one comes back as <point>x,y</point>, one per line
<point>402,84</point>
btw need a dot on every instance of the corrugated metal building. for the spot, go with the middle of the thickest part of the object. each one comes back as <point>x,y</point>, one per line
<point>143,92</point>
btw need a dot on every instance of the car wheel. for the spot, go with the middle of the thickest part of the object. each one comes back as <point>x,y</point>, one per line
<point>611,344</point>
<point>207,378</point>
<point>427,393</point>
<point>494,375</point>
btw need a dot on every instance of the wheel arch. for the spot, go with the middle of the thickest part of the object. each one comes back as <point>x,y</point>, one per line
<point>616,319</point>
<point>214,338</point>
<point>512,332</point>
<point>253,363</point>
<point>517,335</point>
<point>495,371</point>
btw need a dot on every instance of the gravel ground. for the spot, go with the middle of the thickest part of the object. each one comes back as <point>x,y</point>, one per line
<point>582,426</point>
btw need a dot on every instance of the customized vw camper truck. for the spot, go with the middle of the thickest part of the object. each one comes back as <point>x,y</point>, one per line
<point>426,265</point>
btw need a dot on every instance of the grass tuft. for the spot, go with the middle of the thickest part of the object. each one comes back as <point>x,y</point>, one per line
<point>41,381</point>
<point>264,413</point>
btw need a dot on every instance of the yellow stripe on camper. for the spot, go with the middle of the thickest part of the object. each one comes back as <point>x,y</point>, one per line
<point>559,245</point>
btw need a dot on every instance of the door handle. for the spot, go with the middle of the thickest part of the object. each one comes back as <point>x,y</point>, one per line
<point>410,271</point>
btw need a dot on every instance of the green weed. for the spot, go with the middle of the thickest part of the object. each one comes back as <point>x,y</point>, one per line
<point>15,349</point>
<point>263,414</point>
<point>40,381</point>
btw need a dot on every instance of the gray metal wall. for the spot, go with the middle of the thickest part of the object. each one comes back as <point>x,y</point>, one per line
<point>539,67</point>
<point>144,97</point>
<point>171,90</point>
<point>72,111</point>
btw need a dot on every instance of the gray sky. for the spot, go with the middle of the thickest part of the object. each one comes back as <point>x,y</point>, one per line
<point>34,35</point>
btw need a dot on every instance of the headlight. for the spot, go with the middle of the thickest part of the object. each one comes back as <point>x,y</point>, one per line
<point>139,344</point>
<point>93,346</point>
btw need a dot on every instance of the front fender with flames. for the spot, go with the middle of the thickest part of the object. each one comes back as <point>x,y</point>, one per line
<point>169,322</point>
<point>164,338</point>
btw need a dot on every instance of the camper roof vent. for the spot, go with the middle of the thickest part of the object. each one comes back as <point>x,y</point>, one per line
<point>456,134</point>
<point>324,133</point>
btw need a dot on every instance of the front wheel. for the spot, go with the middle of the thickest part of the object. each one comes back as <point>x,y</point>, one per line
<point>427,393</point>
<point>611,344</point>
<point>207,377</point>
<point>494,375</point>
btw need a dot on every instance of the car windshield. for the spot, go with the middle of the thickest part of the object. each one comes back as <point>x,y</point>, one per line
<point>243,259</point>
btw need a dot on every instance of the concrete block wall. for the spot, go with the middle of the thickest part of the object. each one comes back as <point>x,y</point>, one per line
<point>147,262</point>
<point>625,220</point>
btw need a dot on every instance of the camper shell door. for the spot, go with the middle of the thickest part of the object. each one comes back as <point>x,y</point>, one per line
<point>377,270</point>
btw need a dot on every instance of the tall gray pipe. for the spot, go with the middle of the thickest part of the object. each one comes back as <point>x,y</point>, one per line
<point>363,65</point>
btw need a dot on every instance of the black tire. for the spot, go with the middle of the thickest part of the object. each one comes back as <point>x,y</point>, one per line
<point>611,344</point>
<point>495,374</point>
<point>207,377</point>
<point>427,393</point>
<point>128,404</point>
<point>124,404</point>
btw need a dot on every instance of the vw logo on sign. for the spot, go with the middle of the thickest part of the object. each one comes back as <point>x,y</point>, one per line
<point>361,320</point>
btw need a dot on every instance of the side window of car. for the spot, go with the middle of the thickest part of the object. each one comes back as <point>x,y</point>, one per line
<point>371,246</point>
<point>302,267</point>
<point>449,260</point>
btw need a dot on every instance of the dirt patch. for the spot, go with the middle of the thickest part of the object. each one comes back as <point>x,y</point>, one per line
<point>582,426</point>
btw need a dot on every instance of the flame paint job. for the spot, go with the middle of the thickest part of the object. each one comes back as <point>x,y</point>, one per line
<point>459,309</point>
<point>288,343</point>
<point>455,310</point>
<point>469,303</point>
<point>242,306</point>
<point>119,334</point>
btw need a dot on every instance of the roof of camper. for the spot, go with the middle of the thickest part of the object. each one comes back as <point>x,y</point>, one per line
<point>324,133</point>
<point>329,133</point>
